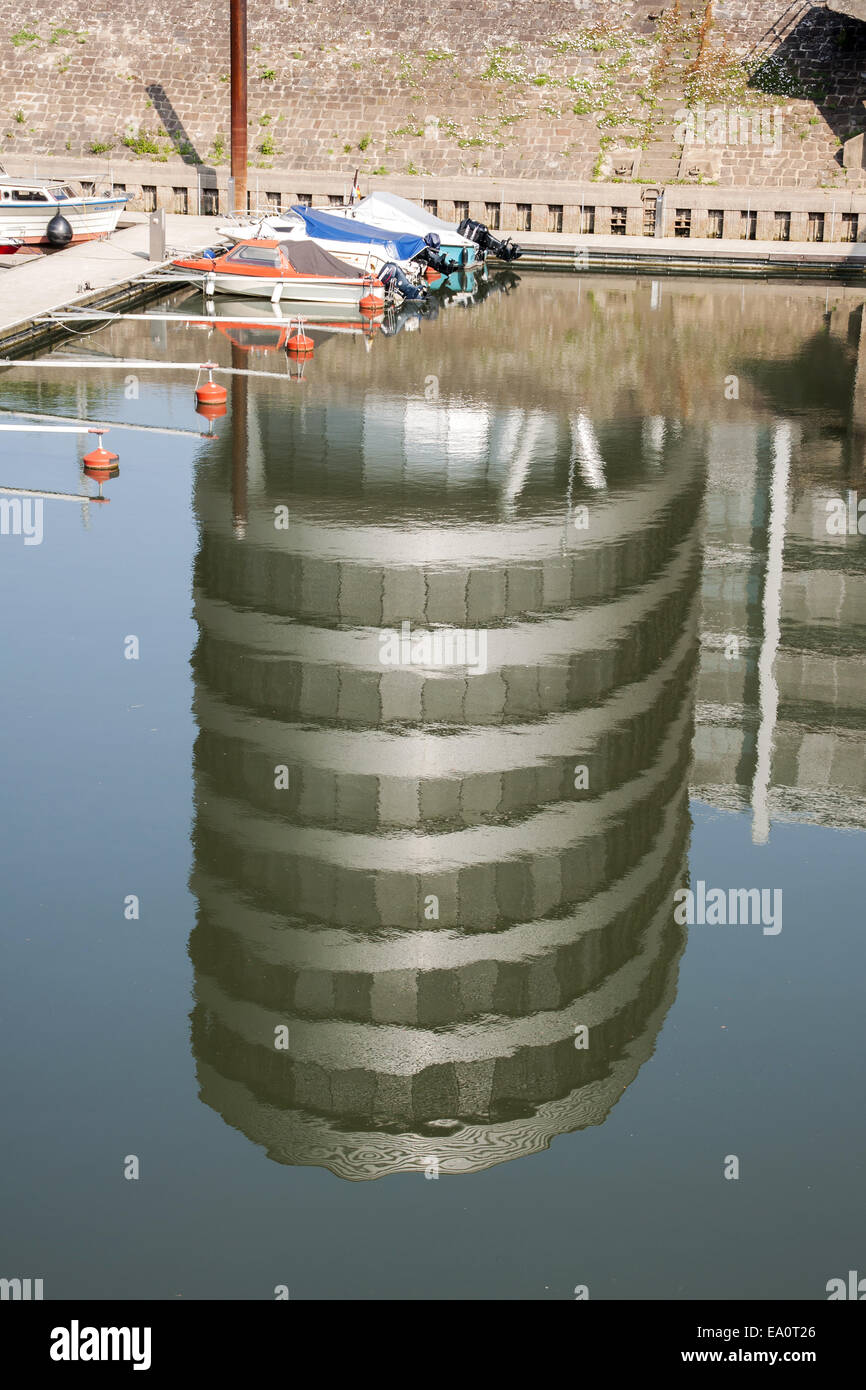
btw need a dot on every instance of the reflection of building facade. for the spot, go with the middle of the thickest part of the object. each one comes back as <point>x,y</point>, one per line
<point>412,792</point>
<point>779,726</point>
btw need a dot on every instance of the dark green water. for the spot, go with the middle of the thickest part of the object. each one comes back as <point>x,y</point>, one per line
<point>615,491</point>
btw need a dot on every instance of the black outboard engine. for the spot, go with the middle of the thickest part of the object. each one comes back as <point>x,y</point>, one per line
<point>435,257</point>
<point>505,250</point>
<point>437,260</point>
<point>395,279</point>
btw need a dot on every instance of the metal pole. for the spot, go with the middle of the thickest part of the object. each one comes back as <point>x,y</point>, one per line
<point>238,37</point>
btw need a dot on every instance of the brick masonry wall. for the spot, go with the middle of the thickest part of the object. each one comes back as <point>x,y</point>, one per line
<point>500,89</point>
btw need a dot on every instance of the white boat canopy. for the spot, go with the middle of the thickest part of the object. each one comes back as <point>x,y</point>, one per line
<point>399,214</point>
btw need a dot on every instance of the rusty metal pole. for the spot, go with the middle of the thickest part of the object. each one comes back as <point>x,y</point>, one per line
<point>239,102</point>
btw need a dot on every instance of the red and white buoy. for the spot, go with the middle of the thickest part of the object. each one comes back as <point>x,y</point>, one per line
<point>99,459</point>
<point>371,302</point>
<point>209,393</point>
<point>299,344</point>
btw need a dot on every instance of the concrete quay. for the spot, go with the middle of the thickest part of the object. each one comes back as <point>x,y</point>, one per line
<point>700,255</point>
<point>111,273</point>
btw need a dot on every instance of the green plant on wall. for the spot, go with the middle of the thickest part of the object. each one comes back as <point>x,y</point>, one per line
<point>141,143</point>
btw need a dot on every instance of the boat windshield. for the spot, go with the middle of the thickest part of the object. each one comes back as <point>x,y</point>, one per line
<point>66,192</point>
<point>27,195</point>
<point>255,255</point>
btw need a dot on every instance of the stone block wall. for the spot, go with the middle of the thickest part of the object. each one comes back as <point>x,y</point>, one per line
<point>501,89</point>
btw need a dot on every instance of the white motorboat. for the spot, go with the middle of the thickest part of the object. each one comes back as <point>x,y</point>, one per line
<point>368,248</point>
<point>28,208</point>
<point>399,216</point>
<point>271,269</point>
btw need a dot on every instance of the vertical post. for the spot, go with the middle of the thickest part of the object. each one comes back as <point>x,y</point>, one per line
<point>660,213</point>
<point>156,235</point>
<point>238,25</point>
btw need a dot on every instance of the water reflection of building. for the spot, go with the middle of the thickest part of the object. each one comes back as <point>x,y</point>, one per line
<point>779,727</point>
<point>455,1038</point>
<point>410,1036</point>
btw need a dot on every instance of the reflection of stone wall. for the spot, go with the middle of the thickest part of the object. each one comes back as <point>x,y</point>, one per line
<point>558,344</point>
<point>454,1035</point>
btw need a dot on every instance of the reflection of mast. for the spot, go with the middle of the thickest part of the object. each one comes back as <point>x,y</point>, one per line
<point>586,451</point>
<point>768,690</point>
<point>239,446</point>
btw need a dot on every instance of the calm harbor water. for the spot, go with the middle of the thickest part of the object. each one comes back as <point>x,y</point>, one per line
<point>435,882</point>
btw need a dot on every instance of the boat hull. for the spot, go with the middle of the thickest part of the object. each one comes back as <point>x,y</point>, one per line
<point>296,288</point>
<point>28,225</point>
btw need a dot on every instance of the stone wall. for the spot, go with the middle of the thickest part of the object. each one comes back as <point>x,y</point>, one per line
<point>512,89</point>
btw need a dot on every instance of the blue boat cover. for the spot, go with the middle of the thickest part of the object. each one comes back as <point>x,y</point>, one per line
<point>398,246</point>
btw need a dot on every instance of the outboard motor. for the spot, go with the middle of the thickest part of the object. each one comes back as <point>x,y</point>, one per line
<point>437,260</point>
<point>504,250</point>
<point>58,231</point>
<point>435,257</point>
<point>396,280</point>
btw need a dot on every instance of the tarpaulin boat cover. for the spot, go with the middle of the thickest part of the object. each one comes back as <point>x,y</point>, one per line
<point>310,259</point>
<point>396,246</point>
<point>390,210</point>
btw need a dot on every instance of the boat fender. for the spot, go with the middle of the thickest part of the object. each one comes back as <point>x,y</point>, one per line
<point>58,231</point>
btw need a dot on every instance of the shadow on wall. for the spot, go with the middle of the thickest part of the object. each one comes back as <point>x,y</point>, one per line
<point>180,138</point>
<point>821,58</point>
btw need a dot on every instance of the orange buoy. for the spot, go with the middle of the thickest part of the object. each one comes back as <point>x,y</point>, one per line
<point>299,345</point>
<point>209,393</point>
<point>102,472</point>
<point>211,410</point>
<point>370,302</point>
<point>431,275</point>
<point>99,458</point>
